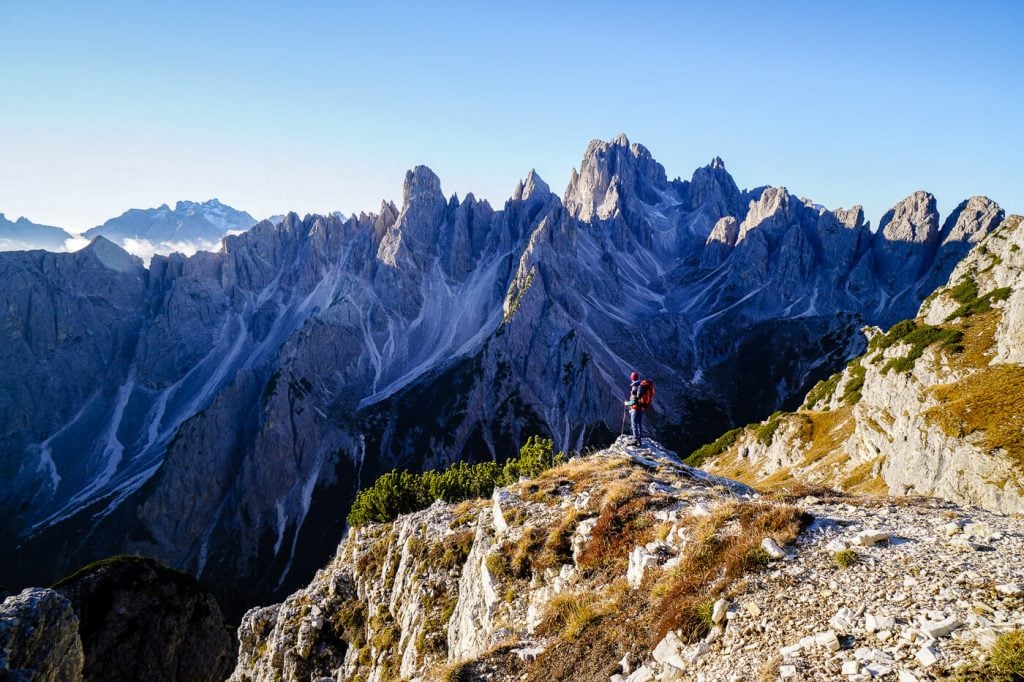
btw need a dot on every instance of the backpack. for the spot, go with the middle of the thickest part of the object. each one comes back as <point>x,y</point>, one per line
<point>645,394</point>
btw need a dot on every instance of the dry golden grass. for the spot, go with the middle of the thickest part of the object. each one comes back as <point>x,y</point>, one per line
<point>827,433</point>
<point>525,549</point>
<point>989,402</point>
<point>623,523</point>
<point>558,544</point>
<point>717,559</point>
<point>570,613</point>
<point>979,335</point>
<point>864,479</point>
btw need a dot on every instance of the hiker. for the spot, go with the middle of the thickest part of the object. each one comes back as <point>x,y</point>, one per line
<point>641,392</point>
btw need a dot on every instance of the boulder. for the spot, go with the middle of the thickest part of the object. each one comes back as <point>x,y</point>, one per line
<point>139,620</point>
<point>39,638</point>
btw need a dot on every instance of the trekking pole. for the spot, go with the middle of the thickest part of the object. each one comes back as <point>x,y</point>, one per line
<point>622,429</point>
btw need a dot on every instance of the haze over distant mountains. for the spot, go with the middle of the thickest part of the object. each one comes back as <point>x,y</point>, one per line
<point>23,235</point>
<point>189,227</point>
<point>273,378</point>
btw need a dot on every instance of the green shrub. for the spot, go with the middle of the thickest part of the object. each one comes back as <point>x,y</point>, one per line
<point>765,432</point>
<point>1008,654</point>
<point>895,334</point>
<point>918,337</point>
<point>919,340</point>
<point>855,384</point>
<point>845,558</point>
<point>966,294</point>
<point>497,565</point>
<point>402,492</point>
<point>723,443</point>
<point>823,391</point>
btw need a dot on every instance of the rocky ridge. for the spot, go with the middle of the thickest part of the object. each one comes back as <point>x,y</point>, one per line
<point>570,575</point>
<point>932,408</point>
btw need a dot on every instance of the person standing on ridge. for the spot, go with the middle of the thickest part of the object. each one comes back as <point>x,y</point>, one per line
<point>641,393</point>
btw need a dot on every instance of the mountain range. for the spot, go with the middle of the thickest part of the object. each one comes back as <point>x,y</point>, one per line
<point>189,227</point>
<point>22,234</point>
<point>219,411</point>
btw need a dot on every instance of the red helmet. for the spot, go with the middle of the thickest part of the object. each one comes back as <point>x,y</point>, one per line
<point>634,376</point>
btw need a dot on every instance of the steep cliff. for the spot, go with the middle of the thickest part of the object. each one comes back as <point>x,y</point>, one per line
<point>933,407</point>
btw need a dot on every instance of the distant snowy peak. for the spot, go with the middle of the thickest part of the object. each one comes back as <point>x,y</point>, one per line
<point>24,235</point>
<point>188,220</point>
<point>189,227</point>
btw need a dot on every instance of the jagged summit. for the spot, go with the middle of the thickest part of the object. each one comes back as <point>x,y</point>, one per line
<point>421,183</point>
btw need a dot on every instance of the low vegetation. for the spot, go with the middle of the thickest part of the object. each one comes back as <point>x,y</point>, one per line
<point>625,522</point>
<point>966,294</point>
<point>845,558</point>
<point>822,392</point>
<point>573,612</point>
<point>725,546</point>
<point>1005,663</point>
<point>918,337</point>
<point>855,384</point>
<point>403,492</point>
<point>723,443</point>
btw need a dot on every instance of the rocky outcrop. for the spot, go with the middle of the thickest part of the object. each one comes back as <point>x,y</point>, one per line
<point>587,572</point>
<point>141,621</point>
<point>931,407</point>
<point>275,377</point>
<point>39,638</point>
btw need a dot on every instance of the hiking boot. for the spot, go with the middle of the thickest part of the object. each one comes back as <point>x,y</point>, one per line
<point>637,442</point>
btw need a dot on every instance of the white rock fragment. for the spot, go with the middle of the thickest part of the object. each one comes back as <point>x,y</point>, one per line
<point>978,530</point>
<point>907,676</point>
<point>772,549</point>
<point>935,630</point>
<point>843,620</point>
<point>787,672</point>
<point>639,560</point>
<point>867,538</point>
<point>669,651</point>
<point>1010,589</point>
<point>927,656</point>
<point>642,674</point>
<point>836,545</point>
<point>874,623</point>
<point>500,496</point>
<point>827,640</point>
<point>791,650</point>
<point>851,667</point>
<point>719,610</point>
<point>952,528</point>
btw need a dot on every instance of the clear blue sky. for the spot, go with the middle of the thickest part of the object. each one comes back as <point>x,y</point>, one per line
<point>317,106</point>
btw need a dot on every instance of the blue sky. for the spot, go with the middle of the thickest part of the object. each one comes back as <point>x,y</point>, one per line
<point>318,106</point>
